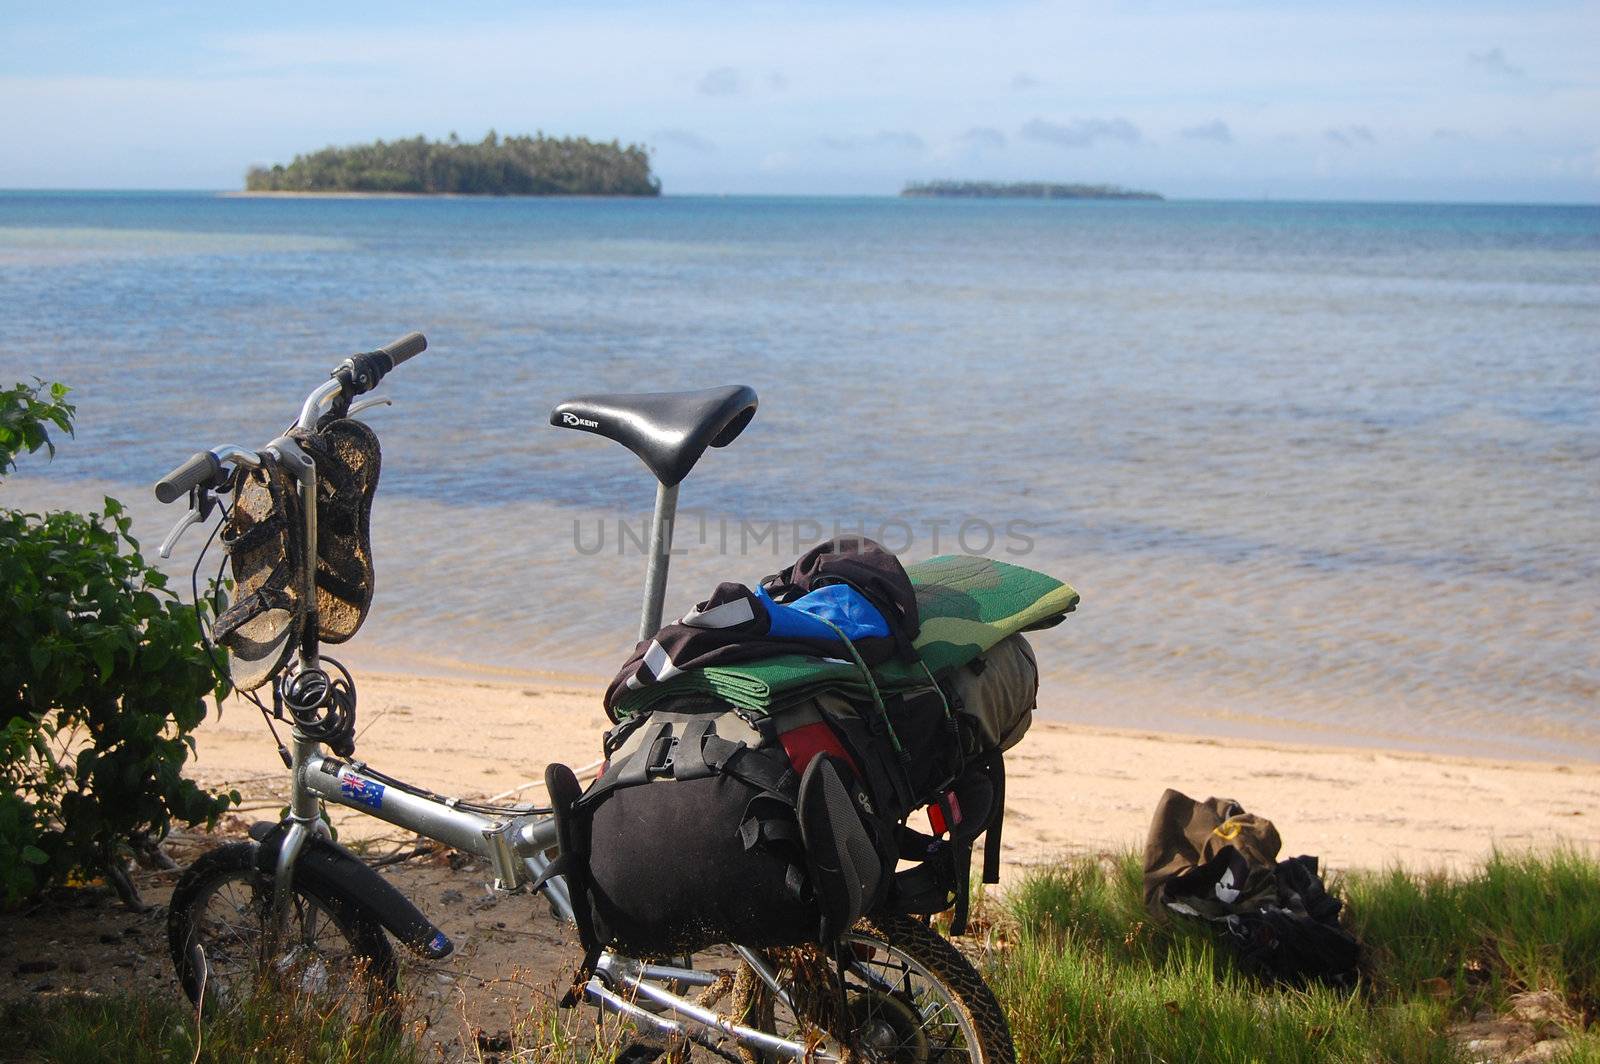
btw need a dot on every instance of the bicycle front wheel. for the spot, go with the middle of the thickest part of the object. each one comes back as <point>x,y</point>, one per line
<point>909,997</point>
<point>217,928</point>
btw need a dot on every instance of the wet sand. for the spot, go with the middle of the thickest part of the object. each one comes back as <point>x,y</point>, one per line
<point>1071,789</point>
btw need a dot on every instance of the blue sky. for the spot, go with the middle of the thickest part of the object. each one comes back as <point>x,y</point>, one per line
<point>1460,101</point>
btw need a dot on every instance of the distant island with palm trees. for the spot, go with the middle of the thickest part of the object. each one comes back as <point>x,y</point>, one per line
<point>1023,190</point>
<point>495,166</point>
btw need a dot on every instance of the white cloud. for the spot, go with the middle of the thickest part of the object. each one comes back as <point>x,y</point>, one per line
<point>722,81</point>
<point>1216,130</point>
<point>982,137</point>
<point>896,139</point>
<point>682,138</point>
<point>1494,62</point>
<point>1350,136</point>
<point>1081,132</point>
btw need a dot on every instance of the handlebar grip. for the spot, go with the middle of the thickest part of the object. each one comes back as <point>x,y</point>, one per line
<point>203,468</point>
<point>361,373</point>
<point>407,347</point>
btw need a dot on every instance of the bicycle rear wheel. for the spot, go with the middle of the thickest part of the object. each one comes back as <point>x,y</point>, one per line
<point>910,997</point>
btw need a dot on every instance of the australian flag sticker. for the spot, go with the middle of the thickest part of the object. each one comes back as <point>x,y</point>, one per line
<point>360,789</point>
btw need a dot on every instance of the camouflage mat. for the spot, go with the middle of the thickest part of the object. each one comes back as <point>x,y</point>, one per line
<point>966,605</point>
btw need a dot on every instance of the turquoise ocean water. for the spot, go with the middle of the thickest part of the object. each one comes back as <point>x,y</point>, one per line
<point>1322,471</point>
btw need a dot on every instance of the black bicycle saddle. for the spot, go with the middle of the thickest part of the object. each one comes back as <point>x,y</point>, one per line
<point>668,430</point>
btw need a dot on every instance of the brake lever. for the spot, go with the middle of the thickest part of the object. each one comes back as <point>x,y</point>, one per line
<point>191,518</point>
<point>367,404</point>
<point>200,503</point>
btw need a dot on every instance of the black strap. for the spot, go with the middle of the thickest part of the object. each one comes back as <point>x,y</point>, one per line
<point>659,755</point>
<point>795,882</point>
<point>689,762</point>
<point>963,885</point>
<point>842,1003</point>
<point>758,829</point>
<point>991,839</point>
<point>769,771</point>
<point>630,771</point>
<point>338,586</point>
<point>580,978</point>
<point>268,596</point>
<point>333,476</point>
<point>564,865</point>
<point>913,845</point>
<point>893,760</point>
<point>238,537</point>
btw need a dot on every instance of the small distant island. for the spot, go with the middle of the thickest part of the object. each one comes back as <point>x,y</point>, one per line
<point>495,166</point>
<point>1023,190</point>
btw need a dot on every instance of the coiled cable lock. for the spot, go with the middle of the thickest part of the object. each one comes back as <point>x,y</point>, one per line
<point>322,707</point>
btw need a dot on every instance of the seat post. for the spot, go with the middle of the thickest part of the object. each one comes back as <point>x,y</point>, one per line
<point>655,574</point>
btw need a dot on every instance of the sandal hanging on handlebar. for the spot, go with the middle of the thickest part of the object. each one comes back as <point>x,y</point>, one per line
<point>266,532</point>
<point>264,540</point>
<point>348,460</point>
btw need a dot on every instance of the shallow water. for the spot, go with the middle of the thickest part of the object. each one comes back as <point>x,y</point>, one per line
<point>1321,471</point>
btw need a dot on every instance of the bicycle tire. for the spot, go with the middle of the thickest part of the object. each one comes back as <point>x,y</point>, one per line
<point>983,1023</point>
<point>236,863</point>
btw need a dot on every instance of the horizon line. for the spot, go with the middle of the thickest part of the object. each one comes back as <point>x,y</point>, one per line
<point>1164,198</point>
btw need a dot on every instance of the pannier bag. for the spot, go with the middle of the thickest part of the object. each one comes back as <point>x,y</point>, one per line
<point>706,828</point>
<point>997,692</point>
<point>709,825</point>
<point>771,801</point>
<point>951,737</point>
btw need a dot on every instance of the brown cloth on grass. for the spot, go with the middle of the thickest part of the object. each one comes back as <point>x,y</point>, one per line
<point>1214,862</point>
<point>1196,847</point>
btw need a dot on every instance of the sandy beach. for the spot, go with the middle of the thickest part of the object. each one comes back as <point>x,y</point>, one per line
<point>1071,789</point>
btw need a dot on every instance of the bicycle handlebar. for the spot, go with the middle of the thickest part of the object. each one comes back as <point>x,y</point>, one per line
<point>355,375</point>
<point>203,469</point>
<point>361,373</point>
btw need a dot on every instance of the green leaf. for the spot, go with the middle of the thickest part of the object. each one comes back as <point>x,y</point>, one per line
<point>101,661</point>
<point>104,660</point>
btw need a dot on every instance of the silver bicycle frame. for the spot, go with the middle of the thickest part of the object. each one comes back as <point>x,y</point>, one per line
<point>517,847</point>
<point>655,573</point>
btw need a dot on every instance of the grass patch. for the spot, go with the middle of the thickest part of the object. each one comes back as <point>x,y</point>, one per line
<point>272,1026</point>
<point>1522,923</point>
<point>128,1029</point>
<point>1084,972</point>
<point>1088,975</point>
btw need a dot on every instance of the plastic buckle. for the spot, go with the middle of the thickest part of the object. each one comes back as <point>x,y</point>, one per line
<point>661,757</point>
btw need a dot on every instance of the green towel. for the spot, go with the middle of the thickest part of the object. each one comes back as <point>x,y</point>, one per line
<point>966,605</point>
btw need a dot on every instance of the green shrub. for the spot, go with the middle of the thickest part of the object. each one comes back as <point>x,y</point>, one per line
<point>103,680</point>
